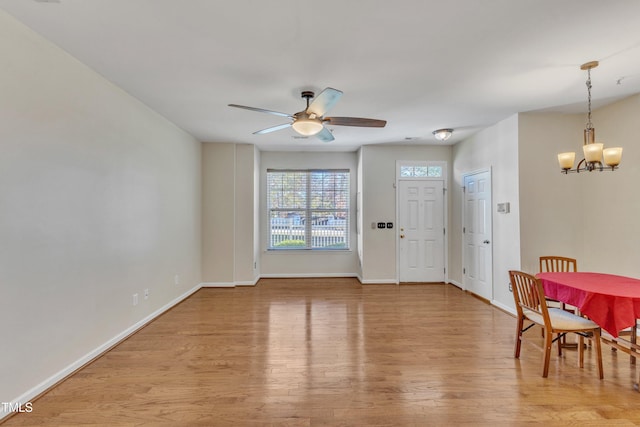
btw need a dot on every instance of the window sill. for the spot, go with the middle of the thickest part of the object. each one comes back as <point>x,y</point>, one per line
<point>307,251</point>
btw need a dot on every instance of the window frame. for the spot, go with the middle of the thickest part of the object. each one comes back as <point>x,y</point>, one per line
<point>414,164</point>
<point>308,211</point>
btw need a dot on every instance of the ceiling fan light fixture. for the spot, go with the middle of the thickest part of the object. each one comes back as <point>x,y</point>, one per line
<point>307,127</point>
<point>442,134</point>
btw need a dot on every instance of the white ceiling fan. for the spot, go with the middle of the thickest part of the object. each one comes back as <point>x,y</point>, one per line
<point>311,120</point>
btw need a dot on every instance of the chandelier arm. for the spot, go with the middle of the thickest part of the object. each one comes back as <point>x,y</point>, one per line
<point>585,166</point>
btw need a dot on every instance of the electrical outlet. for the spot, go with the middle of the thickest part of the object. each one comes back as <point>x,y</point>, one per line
<point>135,299</point>
<point>176,279</point>
<point>510,289</point>
<point>146,293</point>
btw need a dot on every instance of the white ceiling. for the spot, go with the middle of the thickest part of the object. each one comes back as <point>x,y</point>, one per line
<point>419,64</point>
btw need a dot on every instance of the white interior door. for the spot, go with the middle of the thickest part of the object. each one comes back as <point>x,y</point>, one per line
<point>478,272</point>
<point>421,231</point>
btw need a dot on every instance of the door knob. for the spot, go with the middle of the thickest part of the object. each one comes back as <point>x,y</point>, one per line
<point>486,242</point>
<point>402,236</point>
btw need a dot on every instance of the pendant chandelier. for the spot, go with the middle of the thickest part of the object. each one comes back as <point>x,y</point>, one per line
<point>593,151</point>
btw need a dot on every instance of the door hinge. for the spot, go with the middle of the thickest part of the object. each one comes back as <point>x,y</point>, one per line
<point>464,230</point>
<point>444,231</point>
<point>464,189</point>
<point>464,271</point>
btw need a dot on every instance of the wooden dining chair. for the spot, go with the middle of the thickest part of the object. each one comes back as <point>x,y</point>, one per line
<point>531,305</point>
<point>552,263</point>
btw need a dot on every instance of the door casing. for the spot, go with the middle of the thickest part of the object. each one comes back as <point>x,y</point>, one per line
<point>443,178</point>
<point>472,273</point>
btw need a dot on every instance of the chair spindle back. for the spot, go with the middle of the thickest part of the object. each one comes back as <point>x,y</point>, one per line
<point>557,264</point>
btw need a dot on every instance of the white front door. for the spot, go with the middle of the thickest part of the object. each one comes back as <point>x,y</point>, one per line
<point>421,231</point>
<point>478,259</point>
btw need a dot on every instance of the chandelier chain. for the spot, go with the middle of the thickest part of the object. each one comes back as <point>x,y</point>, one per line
<point>589,125</point>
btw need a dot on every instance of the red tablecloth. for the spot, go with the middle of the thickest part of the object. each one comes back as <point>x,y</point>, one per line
<point>613,302</point>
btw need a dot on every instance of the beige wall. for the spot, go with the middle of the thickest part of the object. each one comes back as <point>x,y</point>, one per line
<point>589,216</point>
<point>550,203</point>
<point>378,167</point>
<point>494,149</point>
<point>256,212</point>
<point>245,271</point>
<point>359,216</point>
<point>307,263</point>
<point>229,225</point>
<point>218,209</point>
<point>609,203</point>
<point>228,211</point>
<point>100,199</point>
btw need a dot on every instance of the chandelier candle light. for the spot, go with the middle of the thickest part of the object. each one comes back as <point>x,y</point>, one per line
<point>593,151</point>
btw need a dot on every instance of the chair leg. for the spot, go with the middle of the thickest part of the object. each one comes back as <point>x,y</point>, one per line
<point>516,351</point>
<point>596,339</point>
<point>581,350</point>
<point>634,337</point>
<point>548,342</point>
<point>560,337</point>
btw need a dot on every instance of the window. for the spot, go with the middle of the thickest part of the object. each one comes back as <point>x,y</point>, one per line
<point>308,209</point>
<point>410,171</point>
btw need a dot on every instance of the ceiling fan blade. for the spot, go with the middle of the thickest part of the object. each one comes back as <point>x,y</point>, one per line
<point>324,101</point>
<point>261,110</point>
<point>355,121</point>
<point>272,129</point>
<point>325,135</point>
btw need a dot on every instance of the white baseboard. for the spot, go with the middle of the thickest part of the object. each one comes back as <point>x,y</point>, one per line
<point>70,369</point>
<point>229,284</point>
<point>248,283</point>
<point>504,307</point>
<point>453,282</point>
<point>306,275</point>
<point>218,285</point>
<point>379,282</point>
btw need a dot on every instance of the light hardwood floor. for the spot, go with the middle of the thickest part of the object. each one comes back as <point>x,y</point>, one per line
<point>330,352</point>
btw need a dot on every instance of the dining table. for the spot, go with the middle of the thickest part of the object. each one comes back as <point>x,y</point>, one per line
<point>611,301</point>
